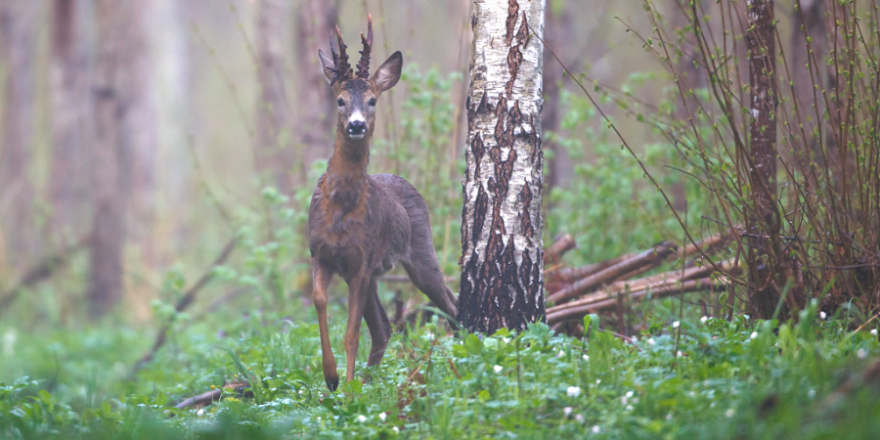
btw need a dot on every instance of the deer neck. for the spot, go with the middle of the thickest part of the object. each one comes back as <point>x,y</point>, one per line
<point>347,171</point>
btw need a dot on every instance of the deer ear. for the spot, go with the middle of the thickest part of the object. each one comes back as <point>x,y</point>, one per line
<point>389,72</point>
<point>327,66</point>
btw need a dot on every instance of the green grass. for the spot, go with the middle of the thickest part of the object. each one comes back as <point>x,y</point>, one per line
<point>737,379</point>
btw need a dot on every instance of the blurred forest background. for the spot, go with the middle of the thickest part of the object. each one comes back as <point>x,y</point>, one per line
<point>139,138</point>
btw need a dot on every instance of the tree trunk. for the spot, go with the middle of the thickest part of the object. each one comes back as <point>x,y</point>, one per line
<point>273,111</point>
<point>17,48</point>
<point>805,75</point>
<point>139,133</point>
<point>557,34</point>
<point>315,19</point>
<point>69,183</point>
<point>502,281</point>
<point>763,223</point>
<point>689,78</point>
<point>110,164</point>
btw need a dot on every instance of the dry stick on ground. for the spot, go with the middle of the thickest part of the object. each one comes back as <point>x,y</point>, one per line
<point>185,302</point>
<point>647,257</point>
<point>211,396</point>
<point>685,287</point>
<point>662,280</point>
<point>43,270</point>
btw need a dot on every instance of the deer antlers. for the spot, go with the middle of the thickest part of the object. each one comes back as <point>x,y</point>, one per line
<point>342,68</point>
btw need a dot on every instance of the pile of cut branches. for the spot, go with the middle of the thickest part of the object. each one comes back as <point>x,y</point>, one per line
<point>579,291</point>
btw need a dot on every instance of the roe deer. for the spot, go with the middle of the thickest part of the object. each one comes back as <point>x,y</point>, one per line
<point>361,224</point>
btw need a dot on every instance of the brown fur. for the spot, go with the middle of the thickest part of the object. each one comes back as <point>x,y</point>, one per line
<point>361,225</point>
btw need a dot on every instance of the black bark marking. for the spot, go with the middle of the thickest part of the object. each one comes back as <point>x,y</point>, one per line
<point>526,196</point>
<point>514,55</point>
<point>480,208</point>
<point>479,149</point>
<point>512,10</point>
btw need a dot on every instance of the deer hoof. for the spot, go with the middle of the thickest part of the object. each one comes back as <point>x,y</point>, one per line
<point>332,382</point>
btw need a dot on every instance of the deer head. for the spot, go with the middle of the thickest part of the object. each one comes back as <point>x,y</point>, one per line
<point>356,93</point>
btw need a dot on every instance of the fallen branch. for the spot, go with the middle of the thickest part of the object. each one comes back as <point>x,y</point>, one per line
<point>211,396</point>
<point>559,247</point>
<point>43,270</point>
<point>188,298</point>
<point>599,303</point>
<point>609,274</point>
<point>659,281</point>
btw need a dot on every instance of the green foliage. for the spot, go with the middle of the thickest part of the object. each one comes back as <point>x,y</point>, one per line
<point>738,379</point>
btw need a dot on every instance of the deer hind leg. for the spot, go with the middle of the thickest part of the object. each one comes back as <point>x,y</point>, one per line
<point>425,274</point>
<point>378,323</point>
<point>358,292</point>
<point>321,277</point>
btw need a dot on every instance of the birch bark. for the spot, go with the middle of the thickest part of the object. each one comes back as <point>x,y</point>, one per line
<point>502,249</point>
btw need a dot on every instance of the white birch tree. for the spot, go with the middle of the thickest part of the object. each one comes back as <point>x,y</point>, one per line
<point>502,282</point>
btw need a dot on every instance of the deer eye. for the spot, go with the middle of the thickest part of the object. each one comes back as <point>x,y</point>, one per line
<point>372,102</point>
<point>340,102</point>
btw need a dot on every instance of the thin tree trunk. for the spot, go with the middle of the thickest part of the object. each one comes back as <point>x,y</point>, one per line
<point>273,111</point>
<point>110,165</point>
<point>558,31</point>
<point>140,132</point>
<point>69,183</point>
<point>689,78</point>
<point>315,19</point>
<point>806,77</point>
<point>17,48</point>
<point>764,221</point>
<point>502,281</point>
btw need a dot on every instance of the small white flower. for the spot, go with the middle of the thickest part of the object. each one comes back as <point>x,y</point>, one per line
<point>651,341</point>
<point>596,429</point>
<point>319,419</point>
<point>729,413</point>
<point>822,315</point>
<point>624,400</point>
<point>862,353</point>
<point>506,340</point>
<point>598,381</point>
<point>497,369</point>
<point>874,332</point>
<point>669,416</point>
<point>573,391</point>
<point>678,354</point>
<point>629,394</point>
<point>811,394</point>
<point>360,418</point>
<point>382,416</point>
<point>429,336</point>
<point>704,319</point>
<point>579,418</point>
<point>300,392</point>
<point>753,335</point>
<point>586,358</point>
<point>629,408</point>
<point>675,324</point>
<point>201,412</point>
<point>560,354</point>
<point>747,317</point>
<point>396,430</point>
<point>567,411</point>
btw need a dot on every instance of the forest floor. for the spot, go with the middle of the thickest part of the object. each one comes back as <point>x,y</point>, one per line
<point>683,377</point>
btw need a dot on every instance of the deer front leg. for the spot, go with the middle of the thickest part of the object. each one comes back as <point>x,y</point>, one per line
<point>378,323</point>
<point>321,278</point>
<point>358,289</point>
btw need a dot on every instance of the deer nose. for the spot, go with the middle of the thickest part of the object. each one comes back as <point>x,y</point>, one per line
<point>357,128</point>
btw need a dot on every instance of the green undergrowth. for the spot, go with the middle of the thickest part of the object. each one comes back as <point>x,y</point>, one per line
<point>687,378</point>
